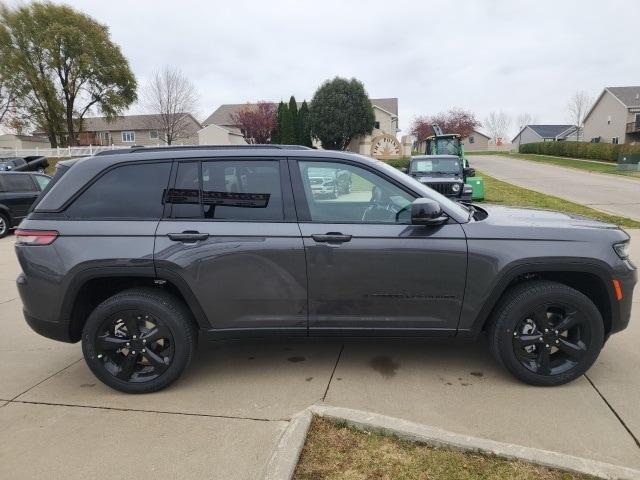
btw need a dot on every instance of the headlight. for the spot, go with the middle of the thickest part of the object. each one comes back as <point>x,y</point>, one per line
<point>622,249</point>
<point>455,187</point>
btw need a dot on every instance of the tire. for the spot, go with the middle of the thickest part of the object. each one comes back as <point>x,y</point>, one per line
<point>4,225</point>
<point>165,333</point>
<point>528,337</point>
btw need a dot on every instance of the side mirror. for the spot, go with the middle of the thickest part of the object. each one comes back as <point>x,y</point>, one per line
<point>404,170</point>
<point>425,211</point>
<point>469,172</point>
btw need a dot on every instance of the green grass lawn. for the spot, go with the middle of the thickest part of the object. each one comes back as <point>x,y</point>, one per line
<point>499,192</point>
<point>334,451</point>
<point>589,165</point>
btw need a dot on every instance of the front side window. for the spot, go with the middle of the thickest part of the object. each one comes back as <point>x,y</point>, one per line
<point>343,193</point>
<point>128,137</point>
<point>124,193</point>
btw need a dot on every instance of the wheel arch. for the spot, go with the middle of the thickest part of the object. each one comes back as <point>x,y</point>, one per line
<point>593,278</point>
<point>92,286</point>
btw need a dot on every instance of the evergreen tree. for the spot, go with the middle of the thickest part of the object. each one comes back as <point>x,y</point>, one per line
<point>293,108</point>
<point>304,126</point>
<point>287,127</point>
<point>339,111</point>
<point>276,135</point>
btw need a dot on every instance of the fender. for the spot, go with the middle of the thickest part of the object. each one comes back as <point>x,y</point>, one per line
<point>83,276</point>
<point>471,325</point>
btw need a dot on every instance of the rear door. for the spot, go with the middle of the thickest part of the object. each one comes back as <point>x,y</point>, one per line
<point>370,271</point>
<point>20,191</point>
<point>230,233</point>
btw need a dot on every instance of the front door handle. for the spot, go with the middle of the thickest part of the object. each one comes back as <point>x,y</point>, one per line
<point>331,237</point>
<point>187,236</point>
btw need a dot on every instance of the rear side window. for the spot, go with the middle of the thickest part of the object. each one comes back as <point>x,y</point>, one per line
<point>17,183</point>
<point>127,192</point>
<point>228,190</point>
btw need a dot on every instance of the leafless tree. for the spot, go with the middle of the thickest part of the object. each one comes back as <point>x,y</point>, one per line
<point>577,107</point>
<point>497,124</point>
<point>172,96</point>
<point>524,119</point>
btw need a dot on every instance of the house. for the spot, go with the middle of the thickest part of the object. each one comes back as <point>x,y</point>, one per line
<point>131,130</point>
<point>382,143</point>
<point>477,141</point>
<point>23,142</point>
<point>614,117</point>
<point>214,134</point>
<point>545,133</point>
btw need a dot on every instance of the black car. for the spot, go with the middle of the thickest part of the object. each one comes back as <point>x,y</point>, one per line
<point>35,163</point>
<point>445,174</point>
<point>18,191</point>
<point>138,254</point>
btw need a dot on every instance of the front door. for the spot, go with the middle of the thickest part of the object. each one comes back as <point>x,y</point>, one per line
<point>370,271</point>
<point>230,233</point>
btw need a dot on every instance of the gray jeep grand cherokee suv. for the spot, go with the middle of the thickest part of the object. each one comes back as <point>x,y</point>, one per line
<point>136,254</point>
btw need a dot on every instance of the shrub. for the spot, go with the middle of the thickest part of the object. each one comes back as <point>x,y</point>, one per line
<point>399,162</point>
<point>594,151</point>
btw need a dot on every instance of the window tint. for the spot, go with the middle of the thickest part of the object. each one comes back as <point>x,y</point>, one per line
<point>185,196</point>
<point>18,183</point>
<point>242,190</point>
<point>338,192</point>
<point>127,192</point>
<point>42,181</point>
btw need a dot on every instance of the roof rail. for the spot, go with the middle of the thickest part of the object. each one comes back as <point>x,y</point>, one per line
<point>142,148</point>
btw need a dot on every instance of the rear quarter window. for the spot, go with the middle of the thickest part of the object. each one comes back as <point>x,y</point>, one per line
<point>128,192</point>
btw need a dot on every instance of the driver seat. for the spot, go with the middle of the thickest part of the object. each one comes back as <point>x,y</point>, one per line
<point>378,209</point>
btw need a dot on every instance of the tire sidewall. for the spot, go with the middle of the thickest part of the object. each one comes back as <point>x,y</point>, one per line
<point>183,345</point>
<point>5,221</point>
<point>514,312</point>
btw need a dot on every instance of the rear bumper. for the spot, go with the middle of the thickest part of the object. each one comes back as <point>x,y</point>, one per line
<point>33,303</point>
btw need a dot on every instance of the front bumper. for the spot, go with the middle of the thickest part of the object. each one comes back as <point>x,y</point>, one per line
<point>628,279</point>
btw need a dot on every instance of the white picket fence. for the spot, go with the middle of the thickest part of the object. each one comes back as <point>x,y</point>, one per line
<point>65,152</point>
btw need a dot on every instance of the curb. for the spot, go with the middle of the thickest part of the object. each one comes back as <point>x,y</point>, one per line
<point>283,461</point>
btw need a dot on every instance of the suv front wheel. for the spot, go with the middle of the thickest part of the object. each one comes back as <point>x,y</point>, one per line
<point>546,333</point>
<point>139,340</point>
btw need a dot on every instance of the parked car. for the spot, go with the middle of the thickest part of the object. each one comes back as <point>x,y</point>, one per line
<point>445,174</point>
<point>137,254</point>
<point>18,191</point>
<point>329,182</point>
<point>36,163</point>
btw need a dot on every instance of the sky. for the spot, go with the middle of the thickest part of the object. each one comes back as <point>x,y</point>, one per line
<point>490,55</point>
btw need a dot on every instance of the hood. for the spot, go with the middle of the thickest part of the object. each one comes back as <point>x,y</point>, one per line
<point>534,224</point>
<point>541,218</point>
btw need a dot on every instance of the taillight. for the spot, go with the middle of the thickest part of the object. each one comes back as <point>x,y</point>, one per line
<point>35,237</point>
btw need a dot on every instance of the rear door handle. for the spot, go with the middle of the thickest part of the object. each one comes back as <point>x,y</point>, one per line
<point>187,236</point>
<point>331,237</point>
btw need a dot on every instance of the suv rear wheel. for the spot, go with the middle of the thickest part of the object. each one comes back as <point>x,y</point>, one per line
<point>546,333</point>
<point>139,340</point>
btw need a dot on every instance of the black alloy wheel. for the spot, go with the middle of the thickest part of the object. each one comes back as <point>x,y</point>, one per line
<point>134,346</point>
<point>546,333</point>
<point>139,340</point>
<point>552,339</point>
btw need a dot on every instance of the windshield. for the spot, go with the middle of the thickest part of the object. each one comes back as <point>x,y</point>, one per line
<point>446,146</point>
<point>435,165</point>
<point>424,191</point>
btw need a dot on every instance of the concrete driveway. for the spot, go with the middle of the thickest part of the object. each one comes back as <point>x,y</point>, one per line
<point>613,194</point>
<point>225,415</point>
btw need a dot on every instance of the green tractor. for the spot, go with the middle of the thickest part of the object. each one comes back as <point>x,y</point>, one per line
<point>450,144</point>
